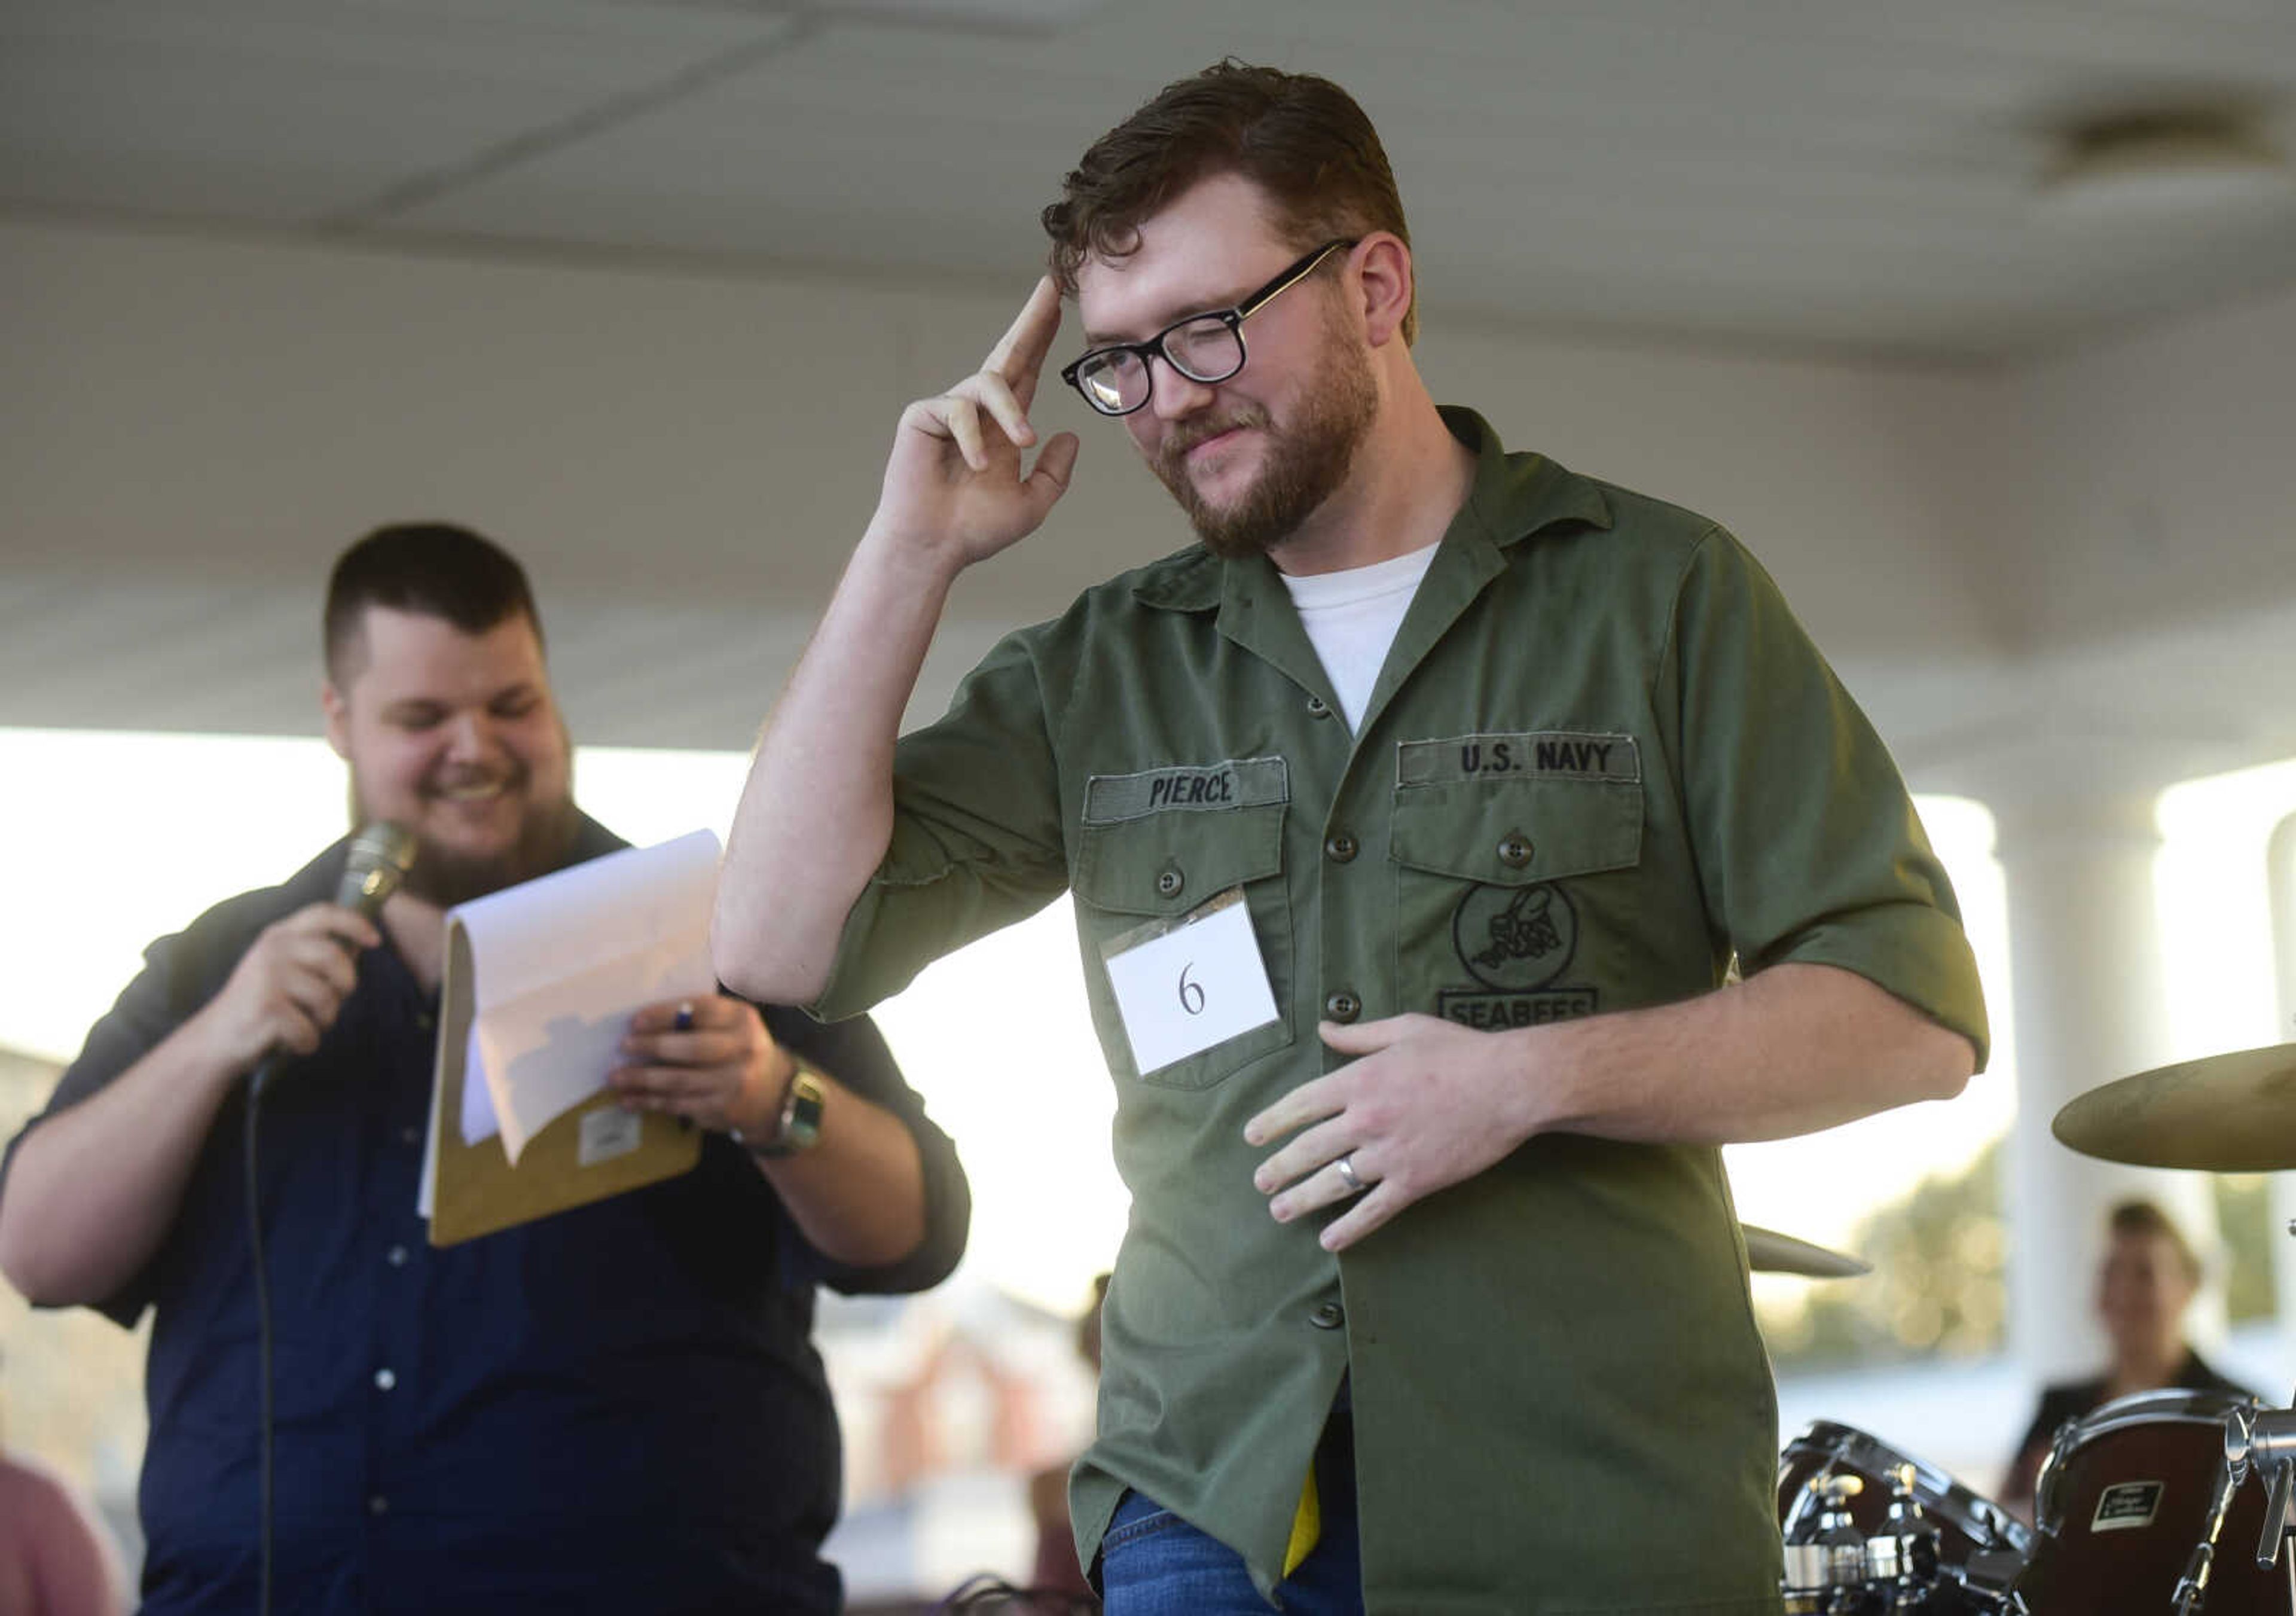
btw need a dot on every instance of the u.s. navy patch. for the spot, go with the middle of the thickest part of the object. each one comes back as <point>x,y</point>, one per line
<point>1550,753</point>
<point>1515,941</point>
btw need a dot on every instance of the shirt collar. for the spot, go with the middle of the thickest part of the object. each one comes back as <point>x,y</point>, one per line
<point>1516,495</point>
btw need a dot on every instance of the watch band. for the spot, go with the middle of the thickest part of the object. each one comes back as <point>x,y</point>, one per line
<point>799,1126</point>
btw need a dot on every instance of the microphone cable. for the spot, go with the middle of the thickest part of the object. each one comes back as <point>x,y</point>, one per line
<point>255,1088</point>
<point>379,856</point>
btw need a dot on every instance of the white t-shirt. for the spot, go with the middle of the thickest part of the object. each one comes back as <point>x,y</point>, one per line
<point>1351,617</point>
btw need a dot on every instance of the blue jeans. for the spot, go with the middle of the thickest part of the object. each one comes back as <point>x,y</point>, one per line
<point>1153,1564</point>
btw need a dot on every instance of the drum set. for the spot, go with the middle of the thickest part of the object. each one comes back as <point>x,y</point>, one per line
<point>2174,1502</point>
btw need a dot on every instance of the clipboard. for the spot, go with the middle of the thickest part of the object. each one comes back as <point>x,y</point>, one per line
<point>592,1151</point>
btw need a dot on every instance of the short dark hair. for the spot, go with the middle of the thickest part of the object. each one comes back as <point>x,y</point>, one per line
<point>2144,1219</point>
<point>433,568</point>
<point>1298,138</point>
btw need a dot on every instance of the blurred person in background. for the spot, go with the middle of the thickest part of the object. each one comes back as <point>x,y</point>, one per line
<point>1057,1570</point>
<point>2149,1278</point>
<point>53,1560</point>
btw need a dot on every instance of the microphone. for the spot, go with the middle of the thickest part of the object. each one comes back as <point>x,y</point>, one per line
<point>381,855</point>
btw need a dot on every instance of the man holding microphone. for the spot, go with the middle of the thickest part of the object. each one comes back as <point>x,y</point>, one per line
<point>617,1408</point>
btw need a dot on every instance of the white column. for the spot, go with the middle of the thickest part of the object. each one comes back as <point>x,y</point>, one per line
<point>2280,871</point>
<point>2089,1007</point>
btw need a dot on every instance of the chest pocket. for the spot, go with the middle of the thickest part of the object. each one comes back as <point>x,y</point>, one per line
<point>1158,862</point>
<point>1510,909</point>
<point>1518,833</point>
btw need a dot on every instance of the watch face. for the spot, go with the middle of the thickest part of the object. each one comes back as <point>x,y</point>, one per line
<point>801,1117</point>
<point>799,1127</point>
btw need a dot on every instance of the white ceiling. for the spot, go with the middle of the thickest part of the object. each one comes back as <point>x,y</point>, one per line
<point>1850,176</point>
<point>1847,177</point>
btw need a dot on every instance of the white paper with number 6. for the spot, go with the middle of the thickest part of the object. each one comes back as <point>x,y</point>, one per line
<point>1198,983</point>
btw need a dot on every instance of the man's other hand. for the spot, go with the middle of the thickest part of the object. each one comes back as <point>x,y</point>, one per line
<point>708,1058</point>
<point>1426,1105</point>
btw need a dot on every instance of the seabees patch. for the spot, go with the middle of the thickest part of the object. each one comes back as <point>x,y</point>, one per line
<point>1517,942</point>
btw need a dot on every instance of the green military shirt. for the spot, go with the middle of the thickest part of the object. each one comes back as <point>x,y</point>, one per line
<point>1601,757</point>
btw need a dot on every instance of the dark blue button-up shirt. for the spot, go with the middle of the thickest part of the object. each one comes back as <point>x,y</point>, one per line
<point>615,1409</point>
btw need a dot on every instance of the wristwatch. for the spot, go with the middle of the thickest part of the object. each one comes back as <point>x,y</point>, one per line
<point>799,1127</point>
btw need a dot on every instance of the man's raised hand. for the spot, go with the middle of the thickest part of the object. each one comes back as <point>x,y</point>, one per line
<point>956,485</point>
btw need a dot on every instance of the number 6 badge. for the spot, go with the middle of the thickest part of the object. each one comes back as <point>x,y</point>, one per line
<point>1188,982</point>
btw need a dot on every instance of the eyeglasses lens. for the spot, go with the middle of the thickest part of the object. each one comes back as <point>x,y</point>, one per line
<point>1207,350</point>
<point>1113,383</point>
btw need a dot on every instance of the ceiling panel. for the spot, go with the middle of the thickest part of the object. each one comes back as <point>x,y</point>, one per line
<point>276,112</point>
<point>1785,171</point>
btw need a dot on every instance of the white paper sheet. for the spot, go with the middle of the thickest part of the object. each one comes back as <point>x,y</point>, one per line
<point>559,964</point>
<point>477,1122</point>
<point>477,1100</point>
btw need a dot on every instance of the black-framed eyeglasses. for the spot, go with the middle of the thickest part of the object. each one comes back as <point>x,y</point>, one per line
<point>1204,348</point>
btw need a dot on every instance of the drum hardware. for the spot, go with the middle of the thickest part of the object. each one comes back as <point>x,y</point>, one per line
<point>1841,1571</point>
<point>2192,1589</point>
<point>1937,1549</point>
<point>1910,1540</point>
<point>2264,1440</point>
<point>1830,1565</point>
<point>2138,1500</point>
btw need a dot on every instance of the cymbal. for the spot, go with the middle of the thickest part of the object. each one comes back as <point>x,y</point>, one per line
<point>1767,1252</point>
<point>2227,1113</point>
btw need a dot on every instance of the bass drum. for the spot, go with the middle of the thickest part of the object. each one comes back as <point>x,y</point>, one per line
<point>2124,1501</point>
<point>1980,1546</point>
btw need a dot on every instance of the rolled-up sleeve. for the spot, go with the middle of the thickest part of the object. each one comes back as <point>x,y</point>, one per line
<point>1808,843</point>
<point>173,984</point>
<point>977,840</point>
<point>855,1053</point>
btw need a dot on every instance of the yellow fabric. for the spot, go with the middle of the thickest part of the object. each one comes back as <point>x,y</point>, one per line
<point>1307,1526</point>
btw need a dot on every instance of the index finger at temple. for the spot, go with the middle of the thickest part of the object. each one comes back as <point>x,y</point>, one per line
<point>1020,353</point>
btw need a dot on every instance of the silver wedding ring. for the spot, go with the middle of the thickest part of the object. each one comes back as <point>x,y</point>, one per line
<point>1347,1166</point>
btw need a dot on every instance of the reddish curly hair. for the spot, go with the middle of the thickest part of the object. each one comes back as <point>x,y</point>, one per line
<point>1300,138</point>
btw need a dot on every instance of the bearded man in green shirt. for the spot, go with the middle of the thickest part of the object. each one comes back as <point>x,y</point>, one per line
<point>1413,817</point>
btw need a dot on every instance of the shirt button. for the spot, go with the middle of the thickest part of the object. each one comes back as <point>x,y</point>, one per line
<point>426,1021</point>
<point>1317,708</point>
<point>1514,849</point>
<point>384,1380</point>
<point>378,1505</point>
<point>396,1257</point>
<point>1327,1316</point>
<point>1339,848</point>
<point>410,1135</point>
<point>1168,883</point>
<point>1343,1006</point>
